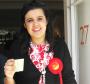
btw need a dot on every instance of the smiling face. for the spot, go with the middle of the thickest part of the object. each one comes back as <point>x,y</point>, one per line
<point>35,23</point>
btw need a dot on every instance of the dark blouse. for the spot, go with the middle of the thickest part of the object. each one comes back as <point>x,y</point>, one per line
<point>31,75</point>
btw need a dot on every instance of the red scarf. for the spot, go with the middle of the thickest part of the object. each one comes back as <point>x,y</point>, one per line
<point>40,57</point>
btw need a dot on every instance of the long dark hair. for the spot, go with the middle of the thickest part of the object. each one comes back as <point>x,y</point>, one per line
<point>24,36</point>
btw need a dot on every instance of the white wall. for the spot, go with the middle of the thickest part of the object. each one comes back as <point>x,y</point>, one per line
<point>83,16</point>
<point>84,19</point>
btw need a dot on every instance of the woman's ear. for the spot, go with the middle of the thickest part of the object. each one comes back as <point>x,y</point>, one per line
<point>47,22</point>
<point>24,25</point>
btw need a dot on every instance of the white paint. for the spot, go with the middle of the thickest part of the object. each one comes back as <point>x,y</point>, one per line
<point>67,23</point>
<point>84,19</point>
<point>77,2</point>
<point>81,14</point>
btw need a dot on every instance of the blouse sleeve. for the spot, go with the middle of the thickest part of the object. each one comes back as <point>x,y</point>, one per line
<point>2,63</point>
<point>68,73</point>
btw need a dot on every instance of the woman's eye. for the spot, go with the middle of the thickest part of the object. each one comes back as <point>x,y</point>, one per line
<point>40,19</point>
<point>29,21</point>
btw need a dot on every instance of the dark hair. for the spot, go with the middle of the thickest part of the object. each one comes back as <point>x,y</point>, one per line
<point>56,27</point>
<point>34,5</point>
<point>23,32</point>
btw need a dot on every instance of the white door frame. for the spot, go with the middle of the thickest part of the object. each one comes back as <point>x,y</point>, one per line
<point>71,33</point>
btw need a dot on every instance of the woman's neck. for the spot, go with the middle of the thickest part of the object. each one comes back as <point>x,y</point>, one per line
<point>38,41</point>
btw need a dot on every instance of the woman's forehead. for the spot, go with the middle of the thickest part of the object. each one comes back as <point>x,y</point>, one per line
<point>35,12</point>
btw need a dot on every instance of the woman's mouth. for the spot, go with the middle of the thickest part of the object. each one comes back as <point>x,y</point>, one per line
<point>36,29</point>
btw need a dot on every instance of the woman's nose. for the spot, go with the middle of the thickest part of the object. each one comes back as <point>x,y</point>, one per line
<point>35,22</point>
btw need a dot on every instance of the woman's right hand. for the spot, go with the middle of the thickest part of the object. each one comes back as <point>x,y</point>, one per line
<point>9,68</point>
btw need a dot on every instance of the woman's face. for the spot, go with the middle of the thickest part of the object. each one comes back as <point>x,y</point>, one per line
<point>35,23</point>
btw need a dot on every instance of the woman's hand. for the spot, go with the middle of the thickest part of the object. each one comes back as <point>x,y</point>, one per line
<point>9,68</point>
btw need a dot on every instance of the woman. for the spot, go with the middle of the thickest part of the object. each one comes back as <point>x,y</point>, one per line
<point>36,45</point>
